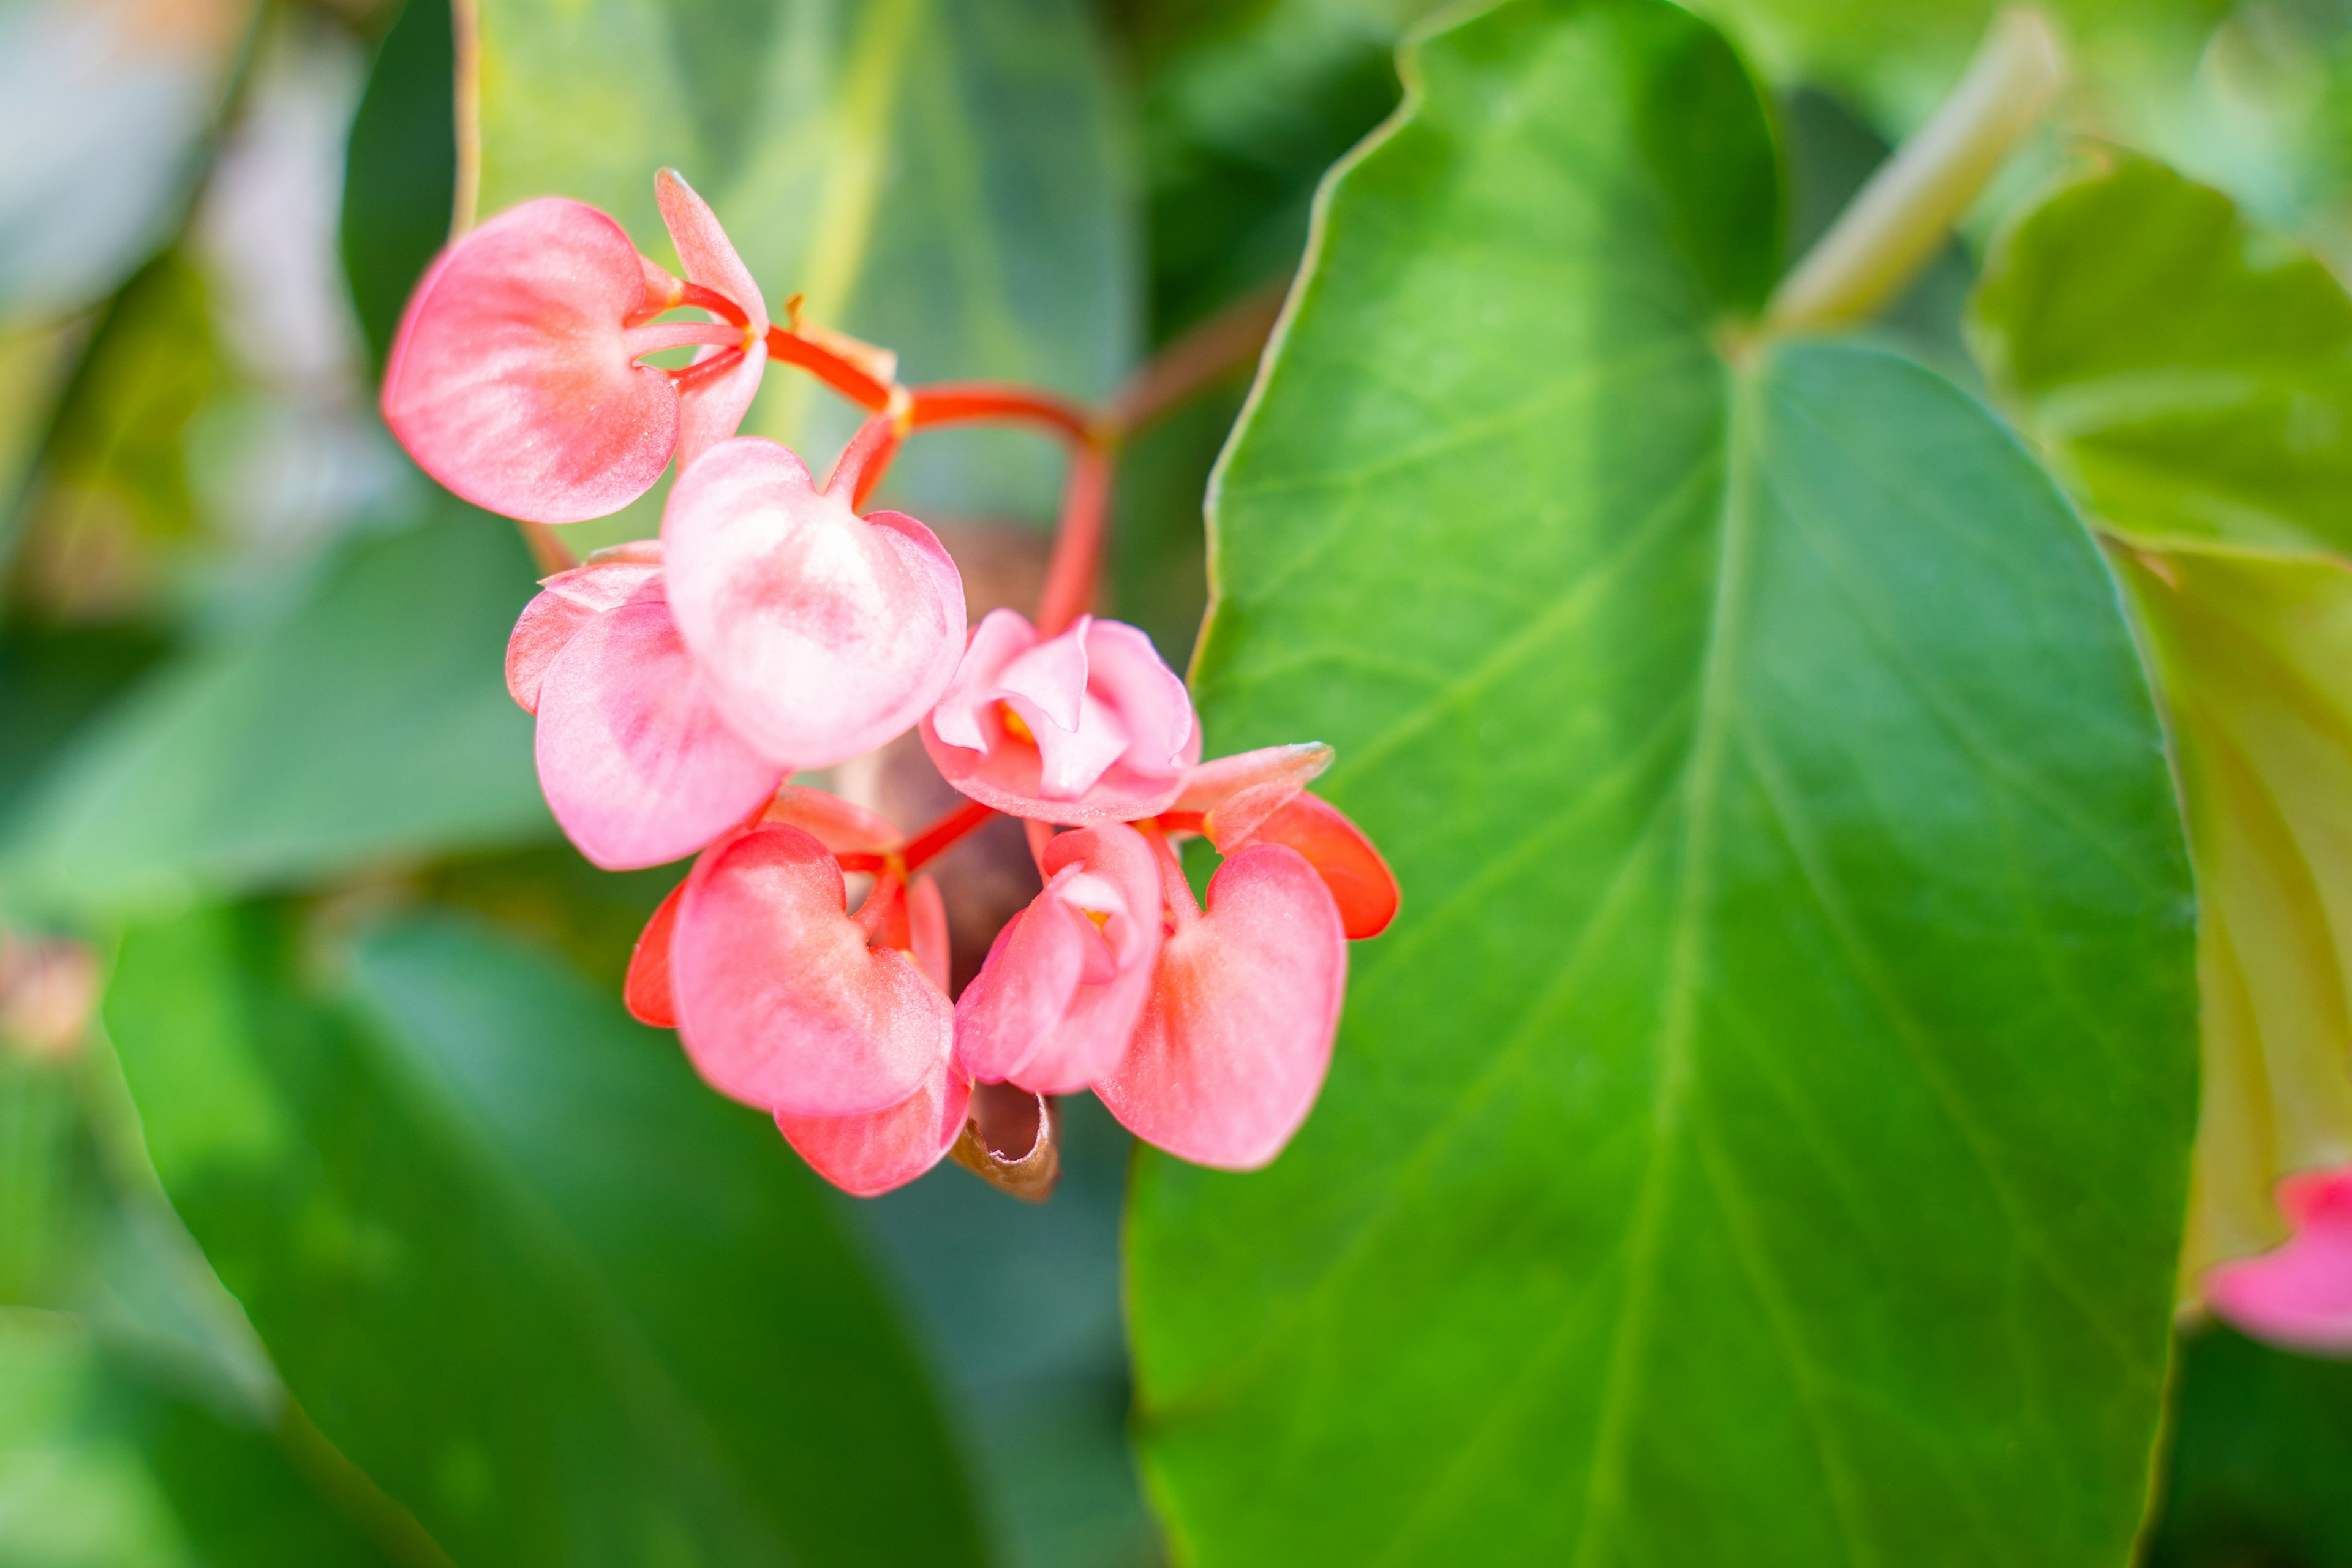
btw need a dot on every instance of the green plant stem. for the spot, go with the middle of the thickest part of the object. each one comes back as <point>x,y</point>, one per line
<point>1895,224</point>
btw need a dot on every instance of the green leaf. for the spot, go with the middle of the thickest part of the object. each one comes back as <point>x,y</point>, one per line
<point>372,723</point>
<point>518,1263</point>
<point>1763,1137</point>
<point>400,173</point>
<point>2263,1444</point>
<point>941,178</point>
<point>2186,372</point>
<point>2253,656</point>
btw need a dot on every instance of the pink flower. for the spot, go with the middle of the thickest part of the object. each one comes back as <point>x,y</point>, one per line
<point>1054,1005</point>
<point>2299,1295</point>
<point>515,379</point>
<point>1260,797</point>
<point>821,634</point>
<point>1083,727</point>
<point>635,759</point>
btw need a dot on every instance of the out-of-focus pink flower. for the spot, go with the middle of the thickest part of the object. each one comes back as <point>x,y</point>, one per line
<point>1052,1007</point>
<point>516,379</point>
<point>822,634</point>
<point>1236,1032</point>
<point>1083,727</point>
<point>2298,1295</point>
<point>635,759</point>
<point>781,999</point>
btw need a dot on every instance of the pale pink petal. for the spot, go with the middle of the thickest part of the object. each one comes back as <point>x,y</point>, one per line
<point>2300,1295</point>
<point>1268,776</point>
<point>704,248</point>
<point>1234,1041</point>
<point>966,712</point>
<point>511,379</point>
<point>870,1155</point>
<point>1023,989</point>
<point>1121,882</point>
<point>780,1001</point>
<point>568,601</point>
<point>712,411</point>
<point>822,634</point>
<point>841,826</point>
<point>636,761</point>
<point>646,991</point>
<point>1361,884</point>
<point>1046,681</point>
<point>926,931</point>
<point>1127,673</point>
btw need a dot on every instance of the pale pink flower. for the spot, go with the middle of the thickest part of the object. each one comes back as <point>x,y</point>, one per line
<point>1083,727</point>
<point>2298,1295</point>
<point>515,377</point>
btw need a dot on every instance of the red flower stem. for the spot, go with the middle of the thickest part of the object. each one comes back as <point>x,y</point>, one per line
<point>710,300</point>
<point>957,402</point>
<point>1076,560</point>
<point>849,380</point>
<point>548,553</point>
<point>875,912</point>
<point>1177,902</point>
<point>867,457</point>
<point>943,833</point>
<point>1226,343</point>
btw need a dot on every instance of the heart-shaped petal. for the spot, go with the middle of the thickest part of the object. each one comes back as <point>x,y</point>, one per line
<point>780,1001</point>
<point>870,1155</point>
<point>1234,1038</point>
<point>635,759</point>
<point>511,379</point>
<point>824,634</point>
<point>568,601</point>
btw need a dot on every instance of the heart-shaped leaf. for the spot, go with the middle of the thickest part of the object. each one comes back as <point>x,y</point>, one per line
<point>1773,1100</point>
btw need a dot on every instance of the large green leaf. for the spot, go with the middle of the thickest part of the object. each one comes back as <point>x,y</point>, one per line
<point>941,178</point>
<point>1763,1137</point>
<point>2187,373</point>
<point>371,722</point>
<point>519,1264</point>
<point>2264,1444</point>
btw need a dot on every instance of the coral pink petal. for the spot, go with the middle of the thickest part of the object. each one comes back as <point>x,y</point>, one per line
<point>647,989</point>
<point>511,380</point>
<point>1123,881</point>
<point>780,1002</point>
<point>2299,1296</point>
<point>566,601</point>
<point>703,247</point>
<point>822,634</point>
<point>1007,778</point>
<point>841,826</point>
<point>1023,989</point>
<point>709,412</point>
<point>870,1155</point>
<point>926,931</point>
<point>636,763</point>
<point>1129,674</point>
<point>1277,773</point>
<point>1361,881</point>
<point>1233,1044</point>
<point>964,715</point>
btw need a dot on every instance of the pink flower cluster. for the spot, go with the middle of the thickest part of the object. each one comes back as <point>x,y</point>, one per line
<point>678,684</point>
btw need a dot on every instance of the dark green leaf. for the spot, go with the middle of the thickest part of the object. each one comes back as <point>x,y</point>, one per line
<point>399,175</point>
<point>372,723</point>
<point>1763,1137</point>
<point>2263,1444</point>
<point>519,1264</point>
<point>941,178</point>
<point>2188,373</point>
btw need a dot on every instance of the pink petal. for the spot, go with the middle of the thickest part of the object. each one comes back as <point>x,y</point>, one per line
<point>926,931</point>
<point>1047,681</point>
<point>1127,673</point>
<point>1121,880</point>
<point>1246,787</point>
<point>511,379</point>
<point>780,1002</point>
<point>869,1154</point>
<point>703,247</point>
<point>710,412</point>
<point>646,991</point>
<point>1233,1042</point>
<point>568,601</point>
<point>2299,1295</point>
<point>1023,989</point>
<point>841,826</point>
<point>636,761</point>
<point>822,634</point>
<point>965,714</point>
<point>1361,884</point>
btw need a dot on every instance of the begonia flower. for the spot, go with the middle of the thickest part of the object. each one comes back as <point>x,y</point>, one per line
<point>1260,797</point>
<point>1237,1030</point>
<point>635,759</point>
<point>822,634</point>
<point>1088,726</point>
<point>1055,1003</point>
<point>2298,1295</point>
<point>517,378</point>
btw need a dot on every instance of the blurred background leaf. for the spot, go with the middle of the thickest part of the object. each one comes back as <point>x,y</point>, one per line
<point>400,173</point>
<point>2262,1445</point>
